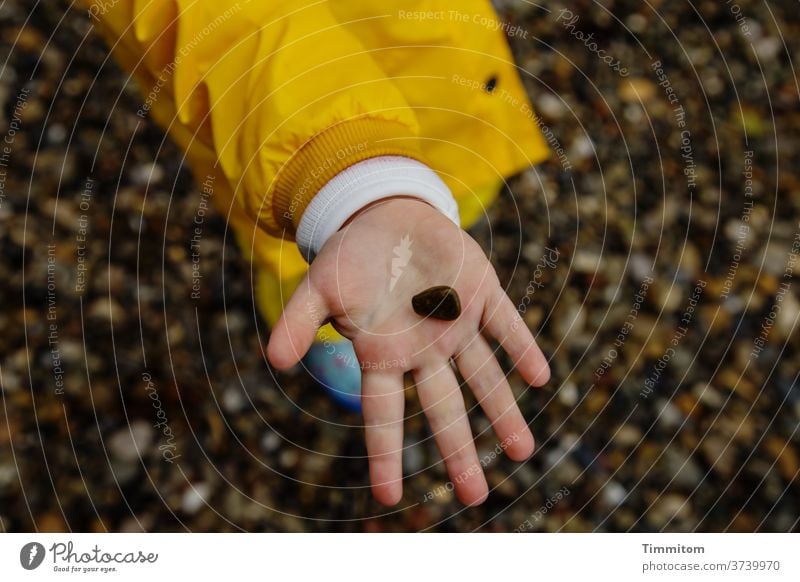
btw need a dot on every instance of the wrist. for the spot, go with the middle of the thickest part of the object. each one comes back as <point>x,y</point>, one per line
<point>363,185</point>
<point>388,199</point>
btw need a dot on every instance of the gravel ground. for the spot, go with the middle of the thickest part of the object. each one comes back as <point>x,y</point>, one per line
<point>657,262</point>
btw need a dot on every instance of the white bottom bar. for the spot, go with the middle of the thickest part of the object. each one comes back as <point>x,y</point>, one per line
<point>390,557</point>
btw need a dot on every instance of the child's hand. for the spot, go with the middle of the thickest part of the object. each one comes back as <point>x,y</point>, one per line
<point>349,284</point>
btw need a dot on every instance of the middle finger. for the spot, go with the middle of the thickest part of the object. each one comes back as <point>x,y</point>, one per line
<point>441,398</point>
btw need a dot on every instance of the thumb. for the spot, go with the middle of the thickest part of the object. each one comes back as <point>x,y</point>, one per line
<point>295,331</point>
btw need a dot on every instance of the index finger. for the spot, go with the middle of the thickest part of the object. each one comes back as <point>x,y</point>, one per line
<point>502,321</point>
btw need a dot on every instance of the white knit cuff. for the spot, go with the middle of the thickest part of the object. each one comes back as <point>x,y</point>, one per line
<point>363,183</point>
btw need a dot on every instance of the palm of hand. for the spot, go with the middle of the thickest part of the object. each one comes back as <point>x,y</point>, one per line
<point>363,281</point>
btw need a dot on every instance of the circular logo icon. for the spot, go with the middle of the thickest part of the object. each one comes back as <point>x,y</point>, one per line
<point>31,555</point>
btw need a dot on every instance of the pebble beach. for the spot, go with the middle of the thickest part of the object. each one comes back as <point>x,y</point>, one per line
<point>654,255</point>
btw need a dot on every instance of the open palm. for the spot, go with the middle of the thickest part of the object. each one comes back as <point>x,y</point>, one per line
<point>354,284</point>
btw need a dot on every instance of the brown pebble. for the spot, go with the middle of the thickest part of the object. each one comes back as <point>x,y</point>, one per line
<point>440,302</point>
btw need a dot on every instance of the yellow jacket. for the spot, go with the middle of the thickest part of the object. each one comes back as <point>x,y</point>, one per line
<point>270,99</point>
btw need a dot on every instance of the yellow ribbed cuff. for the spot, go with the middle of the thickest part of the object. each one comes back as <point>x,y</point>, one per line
<point>323,157</point>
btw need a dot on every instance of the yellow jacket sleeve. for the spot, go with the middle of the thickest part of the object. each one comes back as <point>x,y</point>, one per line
<point>280,94</point>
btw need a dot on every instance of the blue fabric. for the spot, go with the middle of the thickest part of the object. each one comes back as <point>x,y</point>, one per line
<point>335,367</point>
